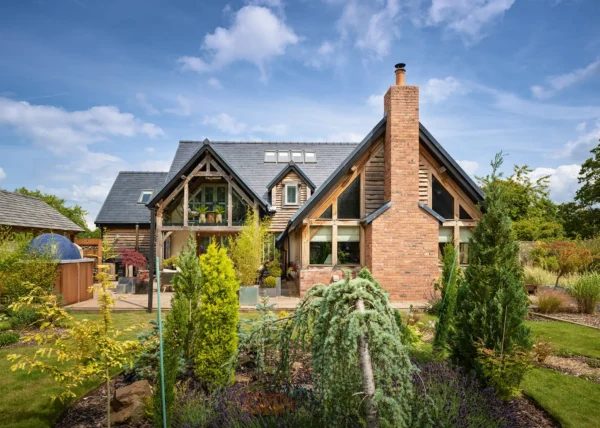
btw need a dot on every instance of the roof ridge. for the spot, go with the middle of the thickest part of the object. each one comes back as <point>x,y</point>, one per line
<point>20,194</point>
<point>143,172</point>
<point>271,142</point>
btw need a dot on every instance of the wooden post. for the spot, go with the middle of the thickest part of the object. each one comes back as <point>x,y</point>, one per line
<point>185,204</point>
<point>152,257</point>
<point>137,237</point>
<point>229,205</point>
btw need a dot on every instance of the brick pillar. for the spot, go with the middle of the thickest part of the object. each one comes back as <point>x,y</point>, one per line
<point>402,242</point>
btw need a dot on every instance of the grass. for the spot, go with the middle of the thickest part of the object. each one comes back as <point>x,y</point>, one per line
<point>570,400</point>
<point>539,276</point>
<point>568,338</point>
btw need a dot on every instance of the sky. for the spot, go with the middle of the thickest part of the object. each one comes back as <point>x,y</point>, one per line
<point>89,88</point>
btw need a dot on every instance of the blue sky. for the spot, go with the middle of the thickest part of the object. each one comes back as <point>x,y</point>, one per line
<point>89,88</point>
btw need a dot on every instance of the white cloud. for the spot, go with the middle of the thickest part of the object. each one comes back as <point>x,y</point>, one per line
<point>256,36</point>
<point>558,83</point>
<point>183,108</point>
<point>471,19</point>
<point>563,181</point>
<point>2,174</point>
<point>230,125</point>
<point>581,127</point>
<point>438,90</point>
<point>214,82</point>
<point>150,149</point>
<point>145,105</point>
<point>579,148</point>
<point>60,130</point>
<point>470,167</point>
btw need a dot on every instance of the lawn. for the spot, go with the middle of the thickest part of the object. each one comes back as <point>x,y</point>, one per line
<point>570,400</point>
<point>568,338</point>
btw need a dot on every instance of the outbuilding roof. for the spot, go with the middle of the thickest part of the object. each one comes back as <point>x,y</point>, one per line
<point>18,210</point>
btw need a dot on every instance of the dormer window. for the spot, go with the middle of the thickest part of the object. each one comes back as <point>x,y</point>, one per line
<point>270,156</point>
<point>297,156</point>
<point>310,157</point>
<point>145,196</point>
<point>283,156</point>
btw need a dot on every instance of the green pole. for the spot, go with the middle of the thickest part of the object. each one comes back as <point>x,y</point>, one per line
<point>160,341</point>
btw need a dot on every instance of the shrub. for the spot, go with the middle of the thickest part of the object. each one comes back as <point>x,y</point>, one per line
<point>569,257</point>
<point>7,338</point>
<point>246,248</point>
<point>171,262</point>
<point>449,288</point>
<point>492,303</point>
<point>216,340</point>
<point>504,370</point>
<point>23,318</point>
<point>542,350</point>
<point>449,397</point>
<point>551,301</point>
<point>434,303</point>
<point>586,291</point>
<point>270,282</point>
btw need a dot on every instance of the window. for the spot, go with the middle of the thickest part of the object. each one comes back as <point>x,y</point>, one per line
<point>446,236</point>
<point>348,247</point>
<point>310,157</point>
<point>297,156</point>
<point>442,201</point>
<point>320,245</point>
<point>465,234</point>
<point>327,214</point>
<point>291,194</point>
<point>145,196</point>
<point>462,214</point>
<point>283,156</point>
<point>270,156</point>
<point>349,201</point>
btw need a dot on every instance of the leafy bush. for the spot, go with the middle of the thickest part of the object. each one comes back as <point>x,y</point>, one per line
<point>216,339</point>
<point>551,301</point>
<point>586,292</point>
<point>171,262</point>
<point>274,266</point>
<point>448,397</point>
<point>23,318</point>
<point>569,257</point>
<point>270,282</point>
<point>542,350</point>
<point>503,370</point>
<point>246,248</point>
<point>7,338</point>
<point>434,303</point>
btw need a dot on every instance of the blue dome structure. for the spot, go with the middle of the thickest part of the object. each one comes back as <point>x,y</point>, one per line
<point>60,246</point>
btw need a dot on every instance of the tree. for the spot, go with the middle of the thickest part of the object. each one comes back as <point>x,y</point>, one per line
<point>568,257</point>
<point>247,248</point>
<point>361,369</point>
<point>579,222</point>
<point>216,330</point>
<point>492,303</point>
<point>589,178</point>
<point>76,214</point>
<point>451,274</point>
<point>91,349</point>
<point>533,214</point>
<point>132,258</point>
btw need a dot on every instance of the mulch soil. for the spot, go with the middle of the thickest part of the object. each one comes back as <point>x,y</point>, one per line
<point>587,319</point>
<point>530,415</point>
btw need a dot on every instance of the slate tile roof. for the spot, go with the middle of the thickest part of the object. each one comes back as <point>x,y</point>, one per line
<point>121,205</point>
<point>18,210</point>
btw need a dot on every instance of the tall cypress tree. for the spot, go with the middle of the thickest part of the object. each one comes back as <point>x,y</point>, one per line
<point>492,304</point>
<point>451,273</point>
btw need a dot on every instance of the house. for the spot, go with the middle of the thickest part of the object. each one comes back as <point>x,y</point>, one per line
<point>390,202</point>
<point>32,215</point>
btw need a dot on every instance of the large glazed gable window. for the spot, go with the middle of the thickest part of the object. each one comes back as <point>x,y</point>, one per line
<point>320,245</point>
<point>441,200</point>
<point>348,203</point>
<point>463,214</point>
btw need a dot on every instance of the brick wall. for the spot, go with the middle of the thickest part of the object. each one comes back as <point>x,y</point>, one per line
<point>312,276</point>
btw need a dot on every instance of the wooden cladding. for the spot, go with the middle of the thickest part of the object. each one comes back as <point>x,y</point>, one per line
<point>127,239</point>
<point>374,181</point>
<point>424,183</point>
<point>284,212</point>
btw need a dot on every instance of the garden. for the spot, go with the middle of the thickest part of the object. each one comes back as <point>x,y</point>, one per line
<point>482,355</point>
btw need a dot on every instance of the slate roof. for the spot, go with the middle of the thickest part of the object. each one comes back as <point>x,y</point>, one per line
<point>121,205</point>
<point>18,210</point>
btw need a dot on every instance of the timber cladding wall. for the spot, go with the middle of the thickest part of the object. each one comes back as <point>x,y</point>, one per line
<point>126,238</point>
<point>374,180</point>
<point>283,214</point>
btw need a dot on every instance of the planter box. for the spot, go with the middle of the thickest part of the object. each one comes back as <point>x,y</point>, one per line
<point>249,296</point>
<point>272,292</point>
<point>125,285</point>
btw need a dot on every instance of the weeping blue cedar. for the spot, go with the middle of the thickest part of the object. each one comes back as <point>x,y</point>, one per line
<point>328,323</point>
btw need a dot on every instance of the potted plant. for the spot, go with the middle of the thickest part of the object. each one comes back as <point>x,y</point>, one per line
<point>130,259</point>
<point>246,251</point>
<point>271,287</point>
<point>202,211</point>
<point>220,210</point>
<point>211,217</point>
<point>274,267</point>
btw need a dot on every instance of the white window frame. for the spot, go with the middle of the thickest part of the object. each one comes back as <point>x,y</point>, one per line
<point>281,152</point>
<point>298,153</point>
<point>145,192</point>
<point>271,152</point>
<point>314,154</point>
<point>286,194</point>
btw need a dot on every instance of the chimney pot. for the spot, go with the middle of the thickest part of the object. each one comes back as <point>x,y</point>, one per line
<point>400,71</point>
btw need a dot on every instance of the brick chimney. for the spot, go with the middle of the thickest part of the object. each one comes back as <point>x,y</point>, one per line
<point>401,104</point>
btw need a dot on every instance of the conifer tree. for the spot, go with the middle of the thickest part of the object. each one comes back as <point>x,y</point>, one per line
<point>216,335</point>
<point>492,303</point>
<point>451,273</point>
